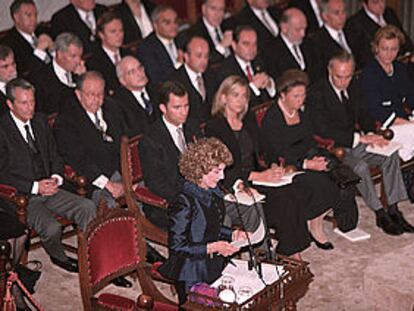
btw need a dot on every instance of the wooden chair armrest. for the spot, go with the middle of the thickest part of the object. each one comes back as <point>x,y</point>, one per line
<point>10,194</point>
<point>80,181</point>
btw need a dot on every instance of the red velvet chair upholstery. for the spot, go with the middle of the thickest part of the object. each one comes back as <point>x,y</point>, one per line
<point>112,246</point>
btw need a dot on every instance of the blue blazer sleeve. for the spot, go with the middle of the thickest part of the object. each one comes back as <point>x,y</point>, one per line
<point>182,214</point>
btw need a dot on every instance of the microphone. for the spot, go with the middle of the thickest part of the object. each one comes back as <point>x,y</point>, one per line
<point>253,262</point>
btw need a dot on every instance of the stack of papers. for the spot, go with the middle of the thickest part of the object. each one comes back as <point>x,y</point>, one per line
<point>386,150</point>
<point>245,198</point>
<point>285,180</point>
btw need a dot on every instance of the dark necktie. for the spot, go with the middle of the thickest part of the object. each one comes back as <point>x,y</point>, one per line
<point>30,140</point>
<point>148,105</point>
<point>218,36</point>
<point>344,99</point>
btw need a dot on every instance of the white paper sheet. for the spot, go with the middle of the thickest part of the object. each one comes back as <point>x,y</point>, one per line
<point>386,150</point>
<point>255,238</point>
<point>285,180</point>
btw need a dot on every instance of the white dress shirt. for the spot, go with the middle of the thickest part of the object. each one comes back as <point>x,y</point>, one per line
<point>101,180</point>
<point>3,87</point>
<point>337,91</point>
<point>380,21</point>
<point>335,35</point>
<point>62,74</point>
<point>301,59</point>
<point>212,33</point>
<point>172,129</point>
<point>20,126</point>
<point>269,19</point>
<point>174,53</point>
<point>112,55</point>
<point>317,11</point>
<point>193,77</point>
<point>144,22</point>
<point>138,97</point>
<point>42,55</point>
<point>83,14</point>
<point>243,64</point>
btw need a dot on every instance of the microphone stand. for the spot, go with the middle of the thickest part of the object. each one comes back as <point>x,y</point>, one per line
<point>253,262</point>
<point>267,234</point>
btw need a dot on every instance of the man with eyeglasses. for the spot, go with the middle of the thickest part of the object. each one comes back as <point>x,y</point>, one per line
<point>88,138</point>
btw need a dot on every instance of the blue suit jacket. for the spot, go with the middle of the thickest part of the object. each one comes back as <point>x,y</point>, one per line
<point>383,94</point>
<point>188,232</point>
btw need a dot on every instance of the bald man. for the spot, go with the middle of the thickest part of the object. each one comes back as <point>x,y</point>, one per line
<point>196,80</point>
<point>291,53</point>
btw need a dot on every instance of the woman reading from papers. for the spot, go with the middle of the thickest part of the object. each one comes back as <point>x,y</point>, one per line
<point>286,134</point>
<point>198,241</point>
<point>388,90</point>
<point>233,124</point>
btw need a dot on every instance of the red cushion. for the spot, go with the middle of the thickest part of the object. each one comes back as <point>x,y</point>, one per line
<point>111,247</point>
<point>146,196</point>
<point>116,302</point>
<point>161,306</point>
<point>156,275</point>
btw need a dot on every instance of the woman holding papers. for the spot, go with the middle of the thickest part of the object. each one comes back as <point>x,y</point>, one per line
<point>388,90</point>
<point>286,135</point>
<point>198,241</point>
<point>236,127</point>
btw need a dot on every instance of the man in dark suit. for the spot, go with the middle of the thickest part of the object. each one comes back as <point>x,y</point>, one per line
<point>79,17</point>
<point>336,107</point>
<point>136,19</point>
<point>162,145</point>
<point>160,52</point>
<point>135,97</point>
<point>55,83</point>
<point>312,12</point>
<point>193,76</point>
<point>108,54</point>
<point>30,51</point>
<point>245,63</point>
<point>88,137</point>
<point>7,73</point>
<point>330,39</point>
<point>29,162</point>
<point>262,19</point>
<point>291,53</point>
<point>362,26</point>
<point>210,27</point>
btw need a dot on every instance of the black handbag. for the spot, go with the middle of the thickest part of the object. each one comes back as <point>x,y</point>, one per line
<point>340,173</point>
<point>344,176</point>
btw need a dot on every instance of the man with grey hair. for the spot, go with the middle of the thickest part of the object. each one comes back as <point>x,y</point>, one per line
<point>336,106</point>
<point>330,39</point>
<point>289,47</point>
<point>160,52</point>
<point>55,83</point>
<point>7,72</point>
<point>136,97</point>
<point>30,162</point>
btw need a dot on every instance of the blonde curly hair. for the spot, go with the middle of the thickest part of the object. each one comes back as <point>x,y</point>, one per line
<point>203,156</point>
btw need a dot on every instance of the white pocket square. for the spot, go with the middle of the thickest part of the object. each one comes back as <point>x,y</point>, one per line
<point>387,103</point>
